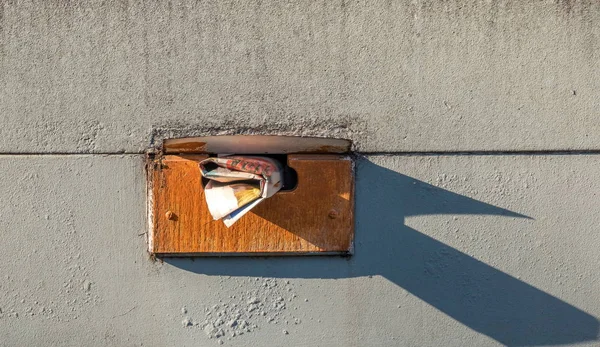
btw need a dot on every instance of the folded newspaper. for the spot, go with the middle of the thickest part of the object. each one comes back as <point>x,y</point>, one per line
<point>238,183</point>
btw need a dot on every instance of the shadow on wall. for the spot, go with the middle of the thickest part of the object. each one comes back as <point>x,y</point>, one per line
<point>477,295</point>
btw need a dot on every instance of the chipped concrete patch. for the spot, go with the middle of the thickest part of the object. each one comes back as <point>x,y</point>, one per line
<point>259,302</point>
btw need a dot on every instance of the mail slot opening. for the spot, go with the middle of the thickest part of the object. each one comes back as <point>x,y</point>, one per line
<point>289,175</point>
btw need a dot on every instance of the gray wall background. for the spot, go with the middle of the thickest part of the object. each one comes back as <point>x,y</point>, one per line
<point>476,195</point>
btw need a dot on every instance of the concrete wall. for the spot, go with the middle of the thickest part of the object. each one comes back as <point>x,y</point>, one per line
<point>492,243</point>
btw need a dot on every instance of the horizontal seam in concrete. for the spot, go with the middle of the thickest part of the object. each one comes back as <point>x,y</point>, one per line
<point>412,153</point>
<point>58,154</point>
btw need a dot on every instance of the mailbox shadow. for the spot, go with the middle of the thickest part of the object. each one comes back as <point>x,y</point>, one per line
<point>475,294</point>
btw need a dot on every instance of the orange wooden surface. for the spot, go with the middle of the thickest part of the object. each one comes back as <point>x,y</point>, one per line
<point>315,218</point>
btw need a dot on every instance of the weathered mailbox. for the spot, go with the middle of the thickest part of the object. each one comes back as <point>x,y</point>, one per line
<point>315,216</point>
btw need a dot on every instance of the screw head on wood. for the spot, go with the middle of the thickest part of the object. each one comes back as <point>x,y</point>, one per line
<point>333,214</point>
<point>170,215</point>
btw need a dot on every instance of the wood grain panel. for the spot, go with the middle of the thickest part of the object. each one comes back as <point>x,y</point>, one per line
<point>317,217</point>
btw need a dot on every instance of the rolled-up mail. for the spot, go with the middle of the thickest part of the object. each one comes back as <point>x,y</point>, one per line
<point>238,183</point>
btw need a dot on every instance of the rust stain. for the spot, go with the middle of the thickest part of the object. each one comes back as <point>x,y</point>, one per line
<point>185,147</point>
<point>326,149</point>
<point>331,149</point>
<point>256,144</point>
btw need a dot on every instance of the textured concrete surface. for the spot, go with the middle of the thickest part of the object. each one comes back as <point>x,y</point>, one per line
<point>458,75</point>
<point>456,250</point>
<point>451,251</point>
